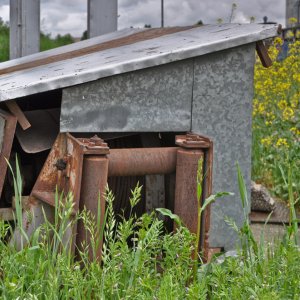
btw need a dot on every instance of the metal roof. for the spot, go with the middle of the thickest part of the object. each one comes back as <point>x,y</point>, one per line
<point>120,52</point>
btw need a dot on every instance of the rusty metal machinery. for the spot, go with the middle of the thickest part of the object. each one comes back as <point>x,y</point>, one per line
<point>84,166</point>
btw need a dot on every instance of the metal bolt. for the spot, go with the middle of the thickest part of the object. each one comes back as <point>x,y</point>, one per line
<point>61,164</point>
<point>95,141</point>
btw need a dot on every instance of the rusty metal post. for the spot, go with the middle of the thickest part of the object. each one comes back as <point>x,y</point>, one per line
<point>193,147</point>
<point>94,180</point>
<point>185,205</point>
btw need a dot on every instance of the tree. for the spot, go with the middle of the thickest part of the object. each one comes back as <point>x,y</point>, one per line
<point>4,41</point>
<point>84,36</point>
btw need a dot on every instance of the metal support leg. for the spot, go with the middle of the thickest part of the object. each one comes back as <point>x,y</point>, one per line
<point>186,206</point>
<point>94,180</point>
<point>193,148</point>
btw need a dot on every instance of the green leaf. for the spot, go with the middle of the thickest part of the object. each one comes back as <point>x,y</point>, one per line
<point>213,198</point>
<point>168,213</point>
<point>242,187</point>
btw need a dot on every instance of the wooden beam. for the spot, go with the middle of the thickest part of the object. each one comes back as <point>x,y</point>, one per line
<point>17,112</point>
<point>262,52</point>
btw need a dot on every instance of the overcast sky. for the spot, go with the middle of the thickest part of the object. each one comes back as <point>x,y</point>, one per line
<point>69,16</point>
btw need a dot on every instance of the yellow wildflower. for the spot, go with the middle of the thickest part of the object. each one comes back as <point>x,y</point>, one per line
<point>282,104</point>
<point>270,115</point>
<point>295,130</point>
<point>266,141</point>
<point>278,41</point>
<point>296,77</point>
<point>292,20</point>
<point>261,108</point>
<point>288,113</point>
<point>282,142</point>
<point>295,100</point>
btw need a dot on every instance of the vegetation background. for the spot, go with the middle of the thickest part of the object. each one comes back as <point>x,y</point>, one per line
<point>276,121</point>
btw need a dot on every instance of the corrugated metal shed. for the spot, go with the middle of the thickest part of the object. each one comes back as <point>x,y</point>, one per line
<point>170,80</point>
<point>120,52</point>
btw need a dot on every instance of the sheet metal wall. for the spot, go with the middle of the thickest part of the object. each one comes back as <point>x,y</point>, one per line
<point>222,110</point>
<point>153,99</point>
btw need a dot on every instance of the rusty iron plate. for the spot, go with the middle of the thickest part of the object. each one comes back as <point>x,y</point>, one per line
<point>7,140</point>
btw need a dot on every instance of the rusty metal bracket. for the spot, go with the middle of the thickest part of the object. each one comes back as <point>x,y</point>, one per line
<point>193,141</point>
<point>262,52</point>
<point>63,167</point>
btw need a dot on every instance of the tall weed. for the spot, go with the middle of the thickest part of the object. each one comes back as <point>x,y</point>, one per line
<point>140,260</point>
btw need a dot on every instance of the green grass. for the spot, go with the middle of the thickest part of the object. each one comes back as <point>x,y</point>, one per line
<point>141,261</point>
